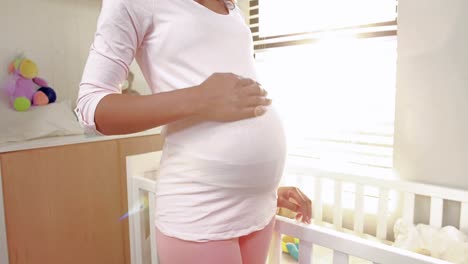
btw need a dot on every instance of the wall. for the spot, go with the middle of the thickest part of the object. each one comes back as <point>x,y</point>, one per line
<point>244,6</point>
<point>56,34</point>
<point>431,134</point>
<point>431,124</point>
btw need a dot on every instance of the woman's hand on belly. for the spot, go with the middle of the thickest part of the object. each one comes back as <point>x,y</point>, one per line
<point>227,97</point>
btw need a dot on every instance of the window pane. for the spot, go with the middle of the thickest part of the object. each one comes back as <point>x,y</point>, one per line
<point>337,101</point>
<point>296,16</point>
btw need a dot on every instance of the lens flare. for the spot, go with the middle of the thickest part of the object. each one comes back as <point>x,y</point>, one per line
<point>138,207</point>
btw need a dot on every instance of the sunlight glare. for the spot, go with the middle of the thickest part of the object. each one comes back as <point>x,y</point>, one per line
<point>278,18</point>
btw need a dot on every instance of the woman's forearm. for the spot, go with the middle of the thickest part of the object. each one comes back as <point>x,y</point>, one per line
<point>123,114</point>
<point>223,97</point>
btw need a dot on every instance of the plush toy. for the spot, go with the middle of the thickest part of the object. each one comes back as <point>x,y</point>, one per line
<point>290,245</point>
<point>25,88</point>
<point>447,243</point>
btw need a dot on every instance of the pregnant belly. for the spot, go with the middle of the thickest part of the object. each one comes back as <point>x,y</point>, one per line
<point>248,153</point>
<point>248,141</point>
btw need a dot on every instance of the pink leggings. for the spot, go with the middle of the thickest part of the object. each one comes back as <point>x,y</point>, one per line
<point>249,249</point>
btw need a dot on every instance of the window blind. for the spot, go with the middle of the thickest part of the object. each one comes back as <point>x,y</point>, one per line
<point>295,22</point>
<point>333,80</point>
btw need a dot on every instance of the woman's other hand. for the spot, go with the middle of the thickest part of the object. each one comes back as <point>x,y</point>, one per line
<point>293,199</point>
<point>227,97</point>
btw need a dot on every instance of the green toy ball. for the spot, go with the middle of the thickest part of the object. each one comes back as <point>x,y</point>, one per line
<point>22,104</point>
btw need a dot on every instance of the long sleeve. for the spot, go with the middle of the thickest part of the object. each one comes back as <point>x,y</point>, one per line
<point>121,30</point>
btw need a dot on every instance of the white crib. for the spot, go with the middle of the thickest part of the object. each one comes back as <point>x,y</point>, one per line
<point>141,177</point>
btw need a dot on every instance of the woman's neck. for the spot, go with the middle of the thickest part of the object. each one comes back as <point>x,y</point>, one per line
<point>217,6</point>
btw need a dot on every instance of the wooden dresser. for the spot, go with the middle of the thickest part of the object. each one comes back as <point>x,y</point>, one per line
<point>62,204</point>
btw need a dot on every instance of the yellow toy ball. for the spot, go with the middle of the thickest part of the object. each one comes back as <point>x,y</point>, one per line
<point>288,239</point>
<point>283,247</point>
<point>28,69</point>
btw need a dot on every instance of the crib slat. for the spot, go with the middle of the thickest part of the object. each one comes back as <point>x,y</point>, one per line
<point>136,217</point>
<point>152,206</point>
<point>338,212</point>
<point>340,257</point>
<point>359,209</point>
<point>464,217</point>
<point>317,204</point>
<point>274,254</point>
<point>437,209</point>
<point>408,208</point>
<point>305,252</point>
<point>382,214</point>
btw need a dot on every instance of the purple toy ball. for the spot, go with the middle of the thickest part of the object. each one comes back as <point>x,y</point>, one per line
<point>50,93</point>
<point>40,82</point>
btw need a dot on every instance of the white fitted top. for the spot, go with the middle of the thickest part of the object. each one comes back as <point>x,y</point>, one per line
<point>216,180</point>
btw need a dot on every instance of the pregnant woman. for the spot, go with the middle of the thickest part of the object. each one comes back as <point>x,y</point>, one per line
<point>224,147</point>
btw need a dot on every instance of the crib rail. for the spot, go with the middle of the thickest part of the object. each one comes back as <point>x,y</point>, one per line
<point>344,245</point>
<point>408,191</point>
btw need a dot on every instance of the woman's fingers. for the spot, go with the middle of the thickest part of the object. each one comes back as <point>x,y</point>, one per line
<point>284,203</point>
<point>227,97</point>
<point>245,82</point>
<point>250,112</point>
<point>257,101</point>
<point>305,204</point>
<point>308,205</point>
<point>254,89</point>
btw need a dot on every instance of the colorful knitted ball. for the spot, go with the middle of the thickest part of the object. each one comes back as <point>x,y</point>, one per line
<point>40,98</point>
<point>16,63</point>
<point>11,68</point>
<point>28,69</point>
<point>50,93</point>
<point>22,104</point>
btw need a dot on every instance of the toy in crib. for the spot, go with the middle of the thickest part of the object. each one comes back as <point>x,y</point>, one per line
<point>25,88</point>
<point>447,243</point>
<point>290,245</point>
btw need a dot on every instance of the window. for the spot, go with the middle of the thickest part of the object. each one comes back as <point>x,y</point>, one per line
<point>330,68</point>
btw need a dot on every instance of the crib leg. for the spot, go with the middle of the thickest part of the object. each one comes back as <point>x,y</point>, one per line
<point>274,254</point>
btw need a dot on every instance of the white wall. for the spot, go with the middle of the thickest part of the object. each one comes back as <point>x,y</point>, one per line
<point>244,6</point>
<point>431,130</point>
<point>56,34</point>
